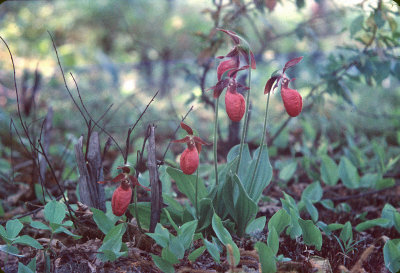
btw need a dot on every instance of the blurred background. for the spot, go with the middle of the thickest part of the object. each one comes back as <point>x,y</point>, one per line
<point>122,52</point>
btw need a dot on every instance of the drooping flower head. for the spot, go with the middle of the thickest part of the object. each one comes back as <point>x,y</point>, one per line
<point>227,70</point>
<point>123,193</point>
<point>292,99</point>
<point>190,157</point>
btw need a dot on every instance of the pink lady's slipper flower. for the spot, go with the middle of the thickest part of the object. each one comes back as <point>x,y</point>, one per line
<point>190,157</point>
<point>292,99</point>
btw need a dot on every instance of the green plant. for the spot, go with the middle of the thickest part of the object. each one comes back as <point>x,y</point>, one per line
<point>10,235</point>
<point>345,240</point>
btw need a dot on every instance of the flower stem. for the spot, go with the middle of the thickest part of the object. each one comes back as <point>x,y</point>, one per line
<point>246,120</point>
<point>216,142</point>
<point>197,189</point>
<point>136,209</point>
<point>261,144</point>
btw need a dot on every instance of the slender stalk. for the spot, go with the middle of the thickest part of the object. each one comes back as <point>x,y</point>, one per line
<point>197,189</point>
<point>216,142</point>
<point>136,209</point>
<point>246,120</point>
<point>261,144</point>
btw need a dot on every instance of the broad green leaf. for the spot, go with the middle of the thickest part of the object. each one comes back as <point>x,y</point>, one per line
<point>54,212</point>
<point>186,233</point>
<point>112,241</point>
<point>273,240</point>
<point>144,212</point>
<point>280,220</point>
<point>391,255</point>
<point>176,247</point>
<point>245,208</point>
<point>356,25</point>
<point>348,173</point>
<point>103,222</point>
<point>206,211</point>
<point>24,269</point>
<point>312,193</point>
<point>161,235</point>
<point>162,264</point>
<point>244,162</point>
<point>346,235</point>
<point>388,212</point>
<point>385,183</point>
<point>230,194</point>
<point>267,258</point>
<point>294,229</point>
<point>187,184</point>
<point>28,240</point>
<point>167,255</point>
<point>213,250</point>
<point>66,231</point>
<point>335,226</point>
<point>257,225</point>
<point>13,228</point>
<point>287,172</point>
<point>311,234</point>
<point>262,176</point>
<point>312,210</point>
<point>10,250</point>
<point>225,237</point>
<point>329,171</point>
<point>196,253</point>
<point>372,223</point>
<point>370,180</point>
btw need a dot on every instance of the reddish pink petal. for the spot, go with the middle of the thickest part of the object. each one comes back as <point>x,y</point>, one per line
<point>187,128</point>
<point>124,169</point>
<point>118,178</point>
<point>226,66</point>
<point>292,62</point>
<point>186,139</point>
<point>231,34</point>
<point>135,182</point>
<point>270,83</point>
<point>235,105</point>
<point>200,141</point>
<point>292,101</point>
<point>245,55</point>
<point>219,87</point>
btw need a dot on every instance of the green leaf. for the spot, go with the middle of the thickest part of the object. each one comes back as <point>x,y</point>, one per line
<point>372,223</point>
<point>288,171</point>
<point>187,184</point>
<point>10,250</point>
<point>213,250</point>
<point>312,210</point>
<point>280,220</point>
<point>385,183</point>
<point>294,229</point>
<point>206,211</point>
<point>162,264</point>
<point>311,234</point>
<point>167,255</point>
<point>329,171</point>
<point>13,228</point>
<point>245,208</point>
<point>54,212</point>
<point>161,235</point>
<point>24,269</point>
<point>335,226</point>
<point>391,255</point>
<point>273,240</point>
<point>66,231</point>
<point>257,225</point>
<point>356,25</point>
<point>370,180</point>
<point>266,257</point>
<point>262,177</point>
<point>378,18</point>
<point>388,212</point>
<point>103,222</point>
<point>186,233</point>
<point>346,235</point>
<point>196,253</point>
<point>348,173</point>
<point>28,240</point>
<point>312,193</point>
<point>225,237</point>
<point>176,247</point>
<point>112,243</point>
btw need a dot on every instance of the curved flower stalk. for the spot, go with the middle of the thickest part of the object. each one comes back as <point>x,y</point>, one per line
<point>292,100</point>
<point>190,157</point>
<point>123,194</point>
